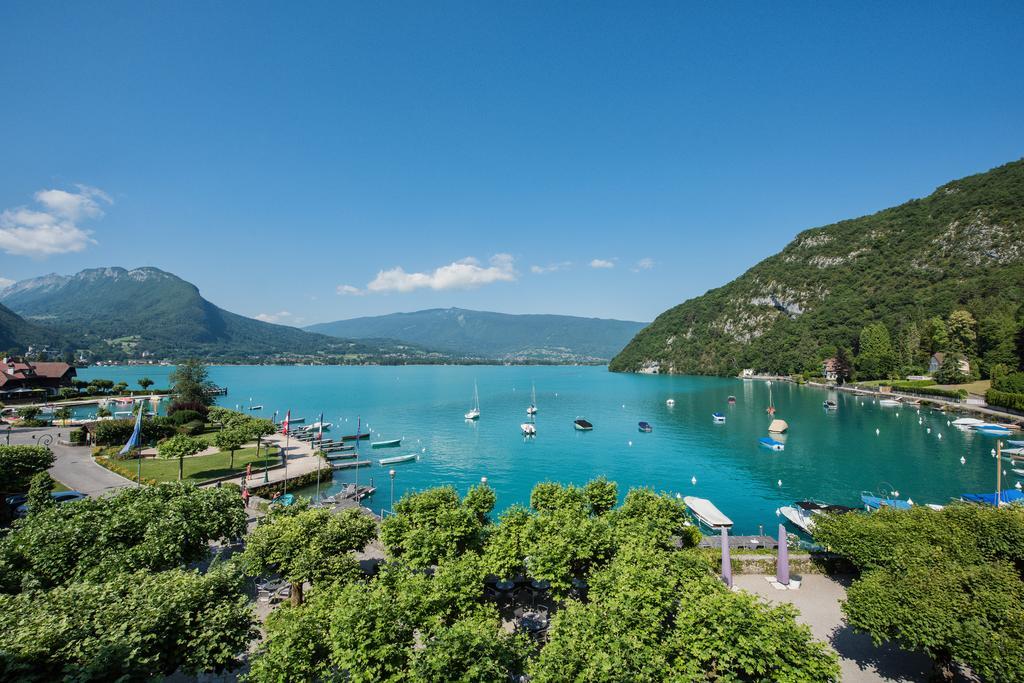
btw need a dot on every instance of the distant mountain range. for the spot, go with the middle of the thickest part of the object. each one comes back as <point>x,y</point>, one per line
<point>126,313</point>
<point>962,247</point>
<point>501,336</point>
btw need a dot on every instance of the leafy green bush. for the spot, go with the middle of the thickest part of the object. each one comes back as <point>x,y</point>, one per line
<point>180,417</point>
<point>1012,382</point>
<point>76,436</point>
<point>192,428</point>
<point>1005,399</point>
<point>18,464</point>
<point>117,432</point>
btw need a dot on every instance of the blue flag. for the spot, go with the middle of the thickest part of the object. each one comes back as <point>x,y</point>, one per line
<point>136,436</point>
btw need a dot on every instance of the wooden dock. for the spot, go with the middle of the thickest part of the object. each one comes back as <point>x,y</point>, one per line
<point>349,465</point>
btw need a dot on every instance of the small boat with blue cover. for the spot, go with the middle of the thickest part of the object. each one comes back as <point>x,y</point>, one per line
<point>645,427</point>
<point>769,442</point>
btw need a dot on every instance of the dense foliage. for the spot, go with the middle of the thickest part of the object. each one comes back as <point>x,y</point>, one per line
<point>18,464</point>
<point>653,611</point>
<point>306,545</point>
<point>946,582</point>
<point>152,528</point>
<point>943,273</point>
<point>133,626</point>
<point>117,432</point>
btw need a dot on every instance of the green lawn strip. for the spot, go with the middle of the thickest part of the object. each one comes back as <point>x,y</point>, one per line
<point>203,467</point>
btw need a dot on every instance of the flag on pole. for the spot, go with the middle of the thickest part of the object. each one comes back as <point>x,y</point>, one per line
<point>287,419</point>
<point>136,437</point>
<point>320,428</point>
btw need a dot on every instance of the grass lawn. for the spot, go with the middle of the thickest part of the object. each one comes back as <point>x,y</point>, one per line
<point>979,387</point>
<point>58,486</point>
<point>203,467</point>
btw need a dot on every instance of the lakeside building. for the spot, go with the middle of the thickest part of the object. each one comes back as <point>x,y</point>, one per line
<point>25,379</point>
<point>936,362</point>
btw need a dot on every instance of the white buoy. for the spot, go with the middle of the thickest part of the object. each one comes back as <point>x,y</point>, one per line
<point>1017,486</point>
<point>948,423</point>
<point>993,452</point>
<point>929,430</point>
<point>778,512</point>
<point>630,443</point>
<point>920,421</point>
<point>910,501</point>
<point>423,450</point>
<point>693,480</point>
<point>940,436</point>
<point>877,431</point>
<point>623,405</point>
<point>897,414</point>
<point>963,460</point>
<point>918,411</point>
<point>896,494</point>
<point>780,482</point>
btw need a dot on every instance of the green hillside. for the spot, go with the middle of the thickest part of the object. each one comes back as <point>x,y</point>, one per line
<point>123,313</point>
<point>18,333</point>
<point>561,338</point>
<point>962,247</point>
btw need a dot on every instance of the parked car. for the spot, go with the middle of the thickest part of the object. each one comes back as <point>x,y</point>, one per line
<point>58,498</point>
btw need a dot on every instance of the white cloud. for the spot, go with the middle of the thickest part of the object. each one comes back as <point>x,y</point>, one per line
<point>5,282</point>
<point>602,263</point>
<point>54,228</point>
<point>465,274</point>
<point>349,290</point>
<point>643,264</point>
<point>551,267</point>
<point>280,318</point>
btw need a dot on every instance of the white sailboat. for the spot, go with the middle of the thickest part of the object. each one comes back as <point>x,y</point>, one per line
<point>532,410</point>
<point>474,413</point>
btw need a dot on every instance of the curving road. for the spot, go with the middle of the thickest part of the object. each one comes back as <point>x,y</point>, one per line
<point>74,466</point>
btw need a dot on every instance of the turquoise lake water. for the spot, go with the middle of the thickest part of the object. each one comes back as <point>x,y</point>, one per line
<point>831,456</point>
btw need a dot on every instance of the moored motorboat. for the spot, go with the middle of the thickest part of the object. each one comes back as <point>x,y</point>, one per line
<point>967,422</point>
<point>718,417</point>
<point>582,425</point>
<point>706,513</point>
<point>872,502</point>
<point>802,512</point>
<point>769,442</point>
<point>386,444</point>
<point>778,427</point>
<point>356,437</point>
<point>830,405</point>
<point>397,459</point>
<point>993,429</point>
<point>1005,497</point>
<point>529,429</point>
<point>888,402</point>
<point>731,399</point>
<point>645,427</point>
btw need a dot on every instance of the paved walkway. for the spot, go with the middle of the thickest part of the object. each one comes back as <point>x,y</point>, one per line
<point>860,660</point>
<point>73,466</point>
<point>298,456</point>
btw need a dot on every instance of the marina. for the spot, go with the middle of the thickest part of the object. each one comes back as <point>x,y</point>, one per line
<point>831,456</point>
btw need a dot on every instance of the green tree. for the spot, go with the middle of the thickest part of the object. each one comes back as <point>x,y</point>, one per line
<point>39,491</point>
<point>875,358</point>
<point>231,440</point>
<point>429,525</point>
<point>131,627</point>
<point>67,393</point>
<point>63,414</point>
<point>944,582</point>
<point>120,387</point>
<point>145,383</point>
<point>997,341</point>
<point>909,347</point>
<point>937,335</point>
<point>962,335</point>
<point>18,464</point>
<point>601,494</point>
<point>507,543</point>
<point>843,365</point>
<point>474,649</point>
<point>29,413</point>
<point>180,446</point>
<point>153,528</point>
<point>309,546</point>
<point>190,383</point>
<point>258,428</point>
<point>950,371</point>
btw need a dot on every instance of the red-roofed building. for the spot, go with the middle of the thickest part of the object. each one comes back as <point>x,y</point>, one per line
<point>22,378</point>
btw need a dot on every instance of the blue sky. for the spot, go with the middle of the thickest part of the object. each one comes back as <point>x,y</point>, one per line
<point>308,162</point>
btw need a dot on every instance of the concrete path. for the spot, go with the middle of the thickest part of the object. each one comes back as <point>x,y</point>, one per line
<point>298,455</point>
<point>818,601</point>
<point>74,466</point>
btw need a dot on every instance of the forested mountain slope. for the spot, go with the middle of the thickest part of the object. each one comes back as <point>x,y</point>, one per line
<point>962,247</point>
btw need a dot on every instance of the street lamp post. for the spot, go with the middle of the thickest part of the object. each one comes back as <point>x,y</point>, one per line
<point>392,475</point>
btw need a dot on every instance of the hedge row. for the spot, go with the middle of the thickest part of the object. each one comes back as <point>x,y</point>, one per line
<point>129,473</point>
<point>1005,399</point>
<point>117,432</point>
<point>308,479</point>
<point>912,383</point>
<point>955,394</point>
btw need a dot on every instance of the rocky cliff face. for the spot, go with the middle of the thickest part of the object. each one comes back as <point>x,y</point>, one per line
<point>962,246</point>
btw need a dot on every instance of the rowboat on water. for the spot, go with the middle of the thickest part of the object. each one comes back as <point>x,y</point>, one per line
<point>582,425</point>
<point>645,427</point>
<point>967,422</point>
<point>529,429</point>
<point>255,407</point>
<point>769,442</point>
<point>397,459</point>
<point>718,417</point>
<point>731,399</point>
<point>830,405</point>
<point>335,447</point>
<point>872,502</point>
<point>778,427</point>
<point>706,513</point>
<point>993,429</point>
<point>386,444</point>
<point>356,437</point>
<point>888,402</point>
<point>1005,497</point>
